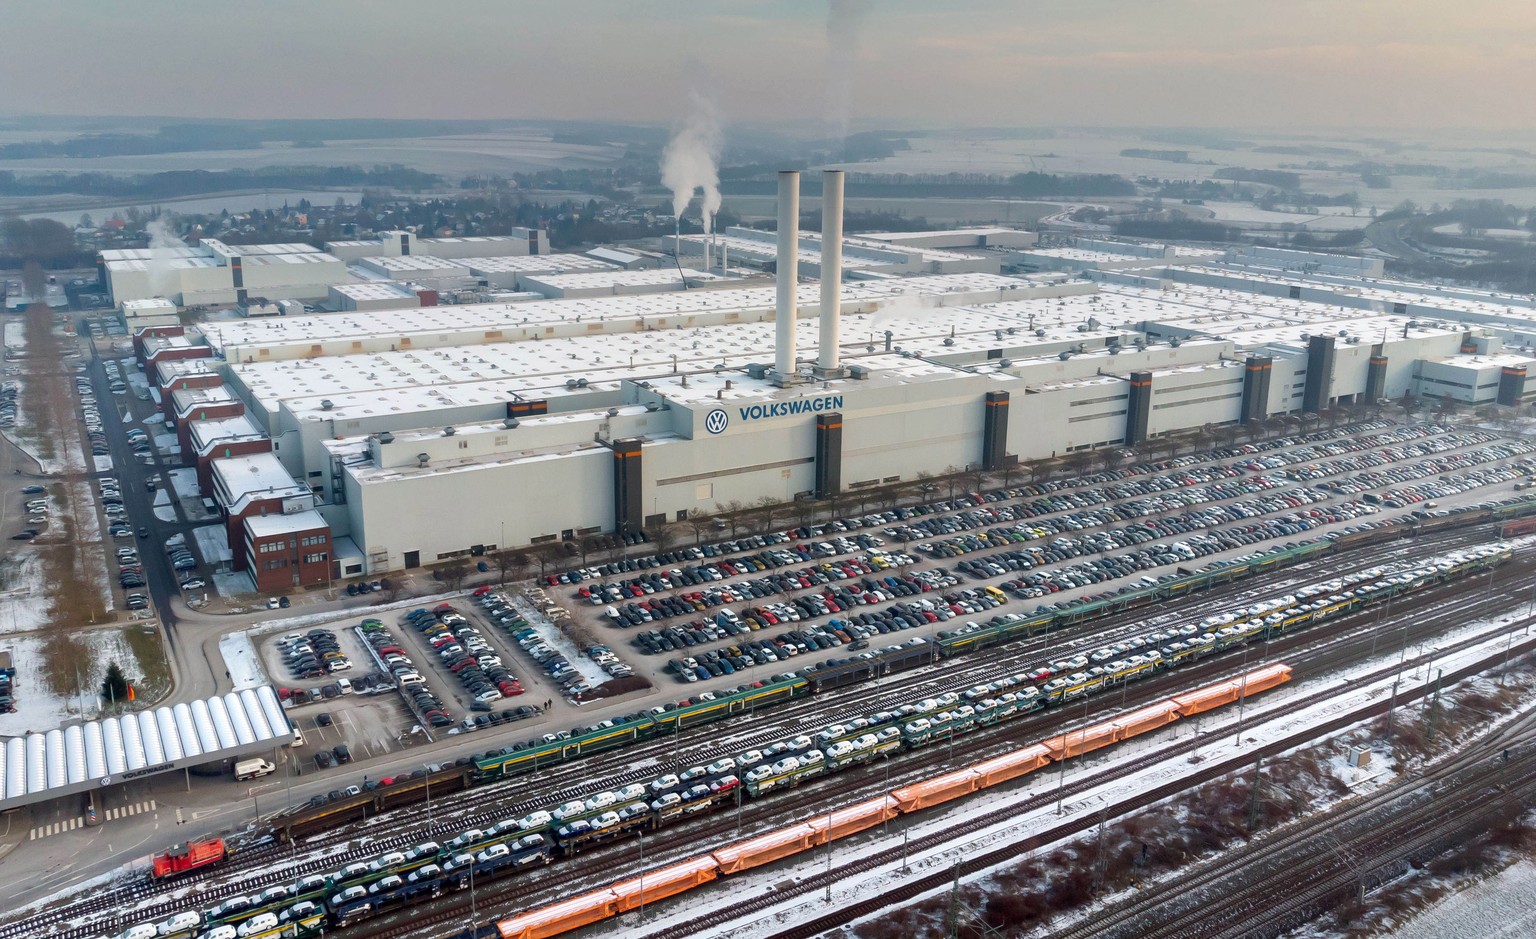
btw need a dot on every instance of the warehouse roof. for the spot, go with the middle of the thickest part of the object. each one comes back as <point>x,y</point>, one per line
<point>284,523</point>
<point>536,264</point>
<point>98,753</point>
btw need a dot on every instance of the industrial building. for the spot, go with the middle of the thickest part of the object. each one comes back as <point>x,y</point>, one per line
<point>216,273</point>
<point>406,437</point>
<point>94,755</point>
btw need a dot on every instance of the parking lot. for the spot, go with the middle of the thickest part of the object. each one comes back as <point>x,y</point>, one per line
<point>757,602</point>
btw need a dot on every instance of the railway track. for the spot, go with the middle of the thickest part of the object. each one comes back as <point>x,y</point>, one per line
<point>1463,597</point>
<point>973,864</point>
<point>1365,835</point>
<point>849,787</point>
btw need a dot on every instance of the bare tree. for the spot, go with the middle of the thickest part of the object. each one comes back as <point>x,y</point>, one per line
<point>546,554</point>
<point>1078,461</point>
<point>766,511</point>
<point>453,574</point>
<point>699,522</point>
<point>664,537</point>
<point>732,513</point>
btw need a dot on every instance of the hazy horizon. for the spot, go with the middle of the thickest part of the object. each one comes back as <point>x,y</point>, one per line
<point>1412,64</point>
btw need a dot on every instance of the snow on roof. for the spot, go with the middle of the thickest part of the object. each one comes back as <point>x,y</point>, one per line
<point>222,430</point>
<point>537,264</point>
<point>90,755</point>
<point>284,523</point>
<point>261,473</point>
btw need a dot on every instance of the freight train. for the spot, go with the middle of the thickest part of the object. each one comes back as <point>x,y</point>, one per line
<point>693,872</point>
<point>364,889</point>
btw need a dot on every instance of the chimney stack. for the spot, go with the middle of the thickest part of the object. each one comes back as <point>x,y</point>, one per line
<point>787,276</point>
<point>828,359</point>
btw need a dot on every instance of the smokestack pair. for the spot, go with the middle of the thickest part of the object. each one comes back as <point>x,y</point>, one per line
<point>788,274</point>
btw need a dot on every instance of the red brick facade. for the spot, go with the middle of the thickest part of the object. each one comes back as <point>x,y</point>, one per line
<point>282,562</point>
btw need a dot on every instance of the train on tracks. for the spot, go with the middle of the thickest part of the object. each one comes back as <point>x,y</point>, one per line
<point>539,755</point>
<point>364,889</point>
<point>186,858</point>
<point>690,873</point>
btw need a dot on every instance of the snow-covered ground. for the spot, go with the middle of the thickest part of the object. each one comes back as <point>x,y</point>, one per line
<point>1501,907</point>
<point>24,602</point>
<point>164,511</point>
<point>1277,714</point>
<point>585,667</point>
<point>242,661</point>
<point>38,708</point>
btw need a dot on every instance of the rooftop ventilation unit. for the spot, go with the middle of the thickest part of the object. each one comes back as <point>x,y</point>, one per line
<point>326,404</point>
<point>949,340</point>
<point>1040,333</point>
<point>652,406</point>
<point>385,436</point>
<point>449,431</point>
<point>422,459</point>
<point>613,412</point>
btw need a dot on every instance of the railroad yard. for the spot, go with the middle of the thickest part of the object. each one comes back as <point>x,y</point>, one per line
<point>811,727</point>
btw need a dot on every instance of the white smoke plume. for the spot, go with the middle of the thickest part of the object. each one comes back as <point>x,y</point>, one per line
<point>844,18</point>
<point>692,161</point>
<point>162,239</point>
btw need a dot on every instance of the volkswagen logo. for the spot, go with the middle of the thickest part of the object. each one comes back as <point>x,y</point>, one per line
<point>716,421</point>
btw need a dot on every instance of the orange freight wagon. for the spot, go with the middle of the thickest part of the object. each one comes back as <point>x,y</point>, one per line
<point>765,849</point>
<point>1205,699</point>
<point>939,789</point>
<point>1000,769</point>
<point>560,917</point>
<point>1078,742</point>
<point>668,881</point>
<point>854,818</point>
<point>1148,718</point>
<point>1265,678</point>
<point>183,859</point>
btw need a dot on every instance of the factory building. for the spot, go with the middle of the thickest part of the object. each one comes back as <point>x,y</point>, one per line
<point>215,273</point>
<point>521,241</point>
<point>403,438</point>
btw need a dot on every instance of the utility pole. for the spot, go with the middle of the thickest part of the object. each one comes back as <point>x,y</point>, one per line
<point>1099,861</point>
<point>1253,796</point>
<point>1242,699</point>
<point>829,855</point>
<point>954,905</point>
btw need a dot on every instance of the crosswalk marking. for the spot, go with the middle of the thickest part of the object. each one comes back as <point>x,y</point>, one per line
<point>58,828</point>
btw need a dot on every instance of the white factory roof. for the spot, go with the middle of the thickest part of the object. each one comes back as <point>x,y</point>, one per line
<point>223,429</point>
<point>1497,360</point>
<point>267,260</point>
<point>175,263</point>
<point>416,263</point>
<point>284,523</point>
<point>375,290</point>
<point>98,753</point>
<point>615,255</point>
<point>591,280</point>
<point>167,369</point>
<point>536,264</point>
<point>256,473</point>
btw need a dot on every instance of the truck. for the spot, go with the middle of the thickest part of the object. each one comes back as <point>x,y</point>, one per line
<point>251,769</point>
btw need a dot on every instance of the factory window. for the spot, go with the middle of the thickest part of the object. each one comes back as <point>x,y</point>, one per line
<point>1203,384</point>
<point>275,564</point>
<point>315,558</point>
<point>463,444</point>
<point>704,491</point>
<point>1180,404</point>
<point>313,541</point>
<point>1094,417</point>
<point>314,474</point>
<point>501,441</point>
<point>1115,397</point>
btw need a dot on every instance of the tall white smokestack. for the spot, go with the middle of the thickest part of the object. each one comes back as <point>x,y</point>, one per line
<point>831,316</point>
<point>788,274</point>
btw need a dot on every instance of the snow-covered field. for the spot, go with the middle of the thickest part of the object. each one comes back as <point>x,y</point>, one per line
<point>39,709</point>
<point>1501,907</point>
<point>242,661</point>
<point>556,640</point>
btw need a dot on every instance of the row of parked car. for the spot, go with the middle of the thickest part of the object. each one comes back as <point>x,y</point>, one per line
<point>465,653</point>
<point>499,609</point>
<point>314,654</point>
<point>429,707</point>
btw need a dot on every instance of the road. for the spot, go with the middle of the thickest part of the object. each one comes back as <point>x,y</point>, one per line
<point>1388,236</point>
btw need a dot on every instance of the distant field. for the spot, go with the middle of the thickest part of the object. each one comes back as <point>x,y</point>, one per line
<point>947,211</point>
<point>454,156</point>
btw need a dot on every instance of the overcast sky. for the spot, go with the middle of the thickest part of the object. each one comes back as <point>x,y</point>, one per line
<point>1252,63</point>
